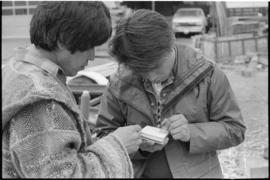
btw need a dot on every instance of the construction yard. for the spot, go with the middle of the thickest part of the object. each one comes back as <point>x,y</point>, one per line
<point>252,95</point>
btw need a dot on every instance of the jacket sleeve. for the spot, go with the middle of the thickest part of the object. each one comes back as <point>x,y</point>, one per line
<point>45,143</point>
<point>226,127</point>
<point>112,114</point>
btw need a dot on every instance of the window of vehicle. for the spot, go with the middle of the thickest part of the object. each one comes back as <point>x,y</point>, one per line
<point>189,13</point>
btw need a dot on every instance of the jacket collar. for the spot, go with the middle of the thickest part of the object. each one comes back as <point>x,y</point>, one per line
<point>32,55</point>
<point>187,62</point>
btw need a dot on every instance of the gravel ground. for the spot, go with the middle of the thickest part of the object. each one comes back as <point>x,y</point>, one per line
<point>252,96</point>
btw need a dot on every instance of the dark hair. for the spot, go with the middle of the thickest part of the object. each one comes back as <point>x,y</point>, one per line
<point>141,40</point>
<point>77,25</point>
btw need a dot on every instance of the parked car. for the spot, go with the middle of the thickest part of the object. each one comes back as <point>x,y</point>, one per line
<point>189,20</point>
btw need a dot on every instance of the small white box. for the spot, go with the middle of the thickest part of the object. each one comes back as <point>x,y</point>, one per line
<point>154,134</point>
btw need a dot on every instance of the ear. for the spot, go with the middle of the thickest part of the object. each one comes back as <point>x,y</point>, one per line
<point>60,46</point>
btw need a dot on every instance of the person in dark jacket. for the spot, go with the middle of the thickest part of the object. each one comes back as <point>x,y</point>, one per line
<point>44,134</point>
<point>170,86</point>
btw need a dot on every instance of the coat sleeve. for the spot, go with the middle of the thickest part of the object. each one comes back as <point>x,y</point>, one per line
<point>112,114</point>
<point>45,143</point>
<point>226,127</point>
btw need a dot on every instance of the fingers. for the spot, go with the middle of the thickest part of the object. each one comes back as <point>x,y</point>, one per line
<point>178,136</point>
<point>136,127</point>
<point>178,129</point>
<point>181,136</point>
<point>166,140</point>
<point>151,146</point>
<point>174,122</point>
<point>178,132</point>
<point>182,133</point>
<point>165,123</point>
<point>139,141</point>
<point>148,142</point>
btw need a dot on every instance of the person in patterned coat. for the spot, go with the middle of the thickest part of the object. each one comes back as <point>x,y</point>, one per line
<point>44,134</point>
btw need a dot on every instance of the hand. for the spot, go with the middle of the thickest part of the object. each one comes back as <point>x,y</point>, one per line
<point>130,137</point>
<point>151,146</point>
<point>178,127</point>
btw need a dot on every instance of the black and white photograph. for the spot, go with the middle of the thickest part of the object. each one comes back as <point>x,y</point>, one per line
<point>135,89</point>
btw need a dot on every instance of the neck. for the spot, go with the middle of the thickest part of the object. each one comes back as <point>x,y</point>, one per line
<point>48,55</point>
<point>170,63</point>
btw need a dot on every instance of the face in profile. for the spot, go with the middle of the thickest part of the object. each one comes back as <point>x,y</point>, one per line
<point>77,25</point>
<point>72,63</point>
<point>159,74</point>
<point>163,70</point>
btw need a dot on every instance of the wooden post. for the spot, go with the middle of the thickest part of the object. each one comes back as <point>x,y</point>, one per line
<point>218,23</point>
<point>256,43</point>
<point>267,41</point>
<point>216,49</point>
<point>85,104</point>
<point>243,46</point>
<point>153,5</point>
<point>230,48</point>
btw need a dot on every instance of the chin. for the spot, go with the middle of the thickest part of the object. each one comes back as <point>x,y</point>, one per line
<point>72,73</point>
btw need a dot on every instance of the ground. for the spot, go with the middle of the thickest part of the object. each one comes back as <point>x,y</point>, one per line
<point>252,96</point>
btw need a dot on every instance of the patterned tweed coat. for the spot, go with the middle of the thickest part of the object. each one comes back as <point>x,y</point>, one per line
<point>43,134</point>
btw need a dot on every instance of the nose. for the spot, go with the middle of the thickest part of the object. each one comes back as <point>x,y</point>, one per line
<point>152,76</point>
<point>91,54</point>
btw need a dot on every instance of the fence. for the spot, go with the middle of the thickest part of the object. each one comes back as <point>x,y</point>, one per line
<point>246,11</point>
<point>226,48</point>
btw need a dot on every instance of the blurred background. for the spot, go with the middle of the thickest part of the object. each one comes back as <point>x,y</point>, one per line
<point>232,34</point>
<point>220,19</point>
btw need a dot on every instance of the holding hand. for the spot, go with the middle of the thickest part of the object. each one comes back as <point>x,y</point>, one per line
<point>151,146</point>
<point>178,127</point>
<point>130,137</point>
